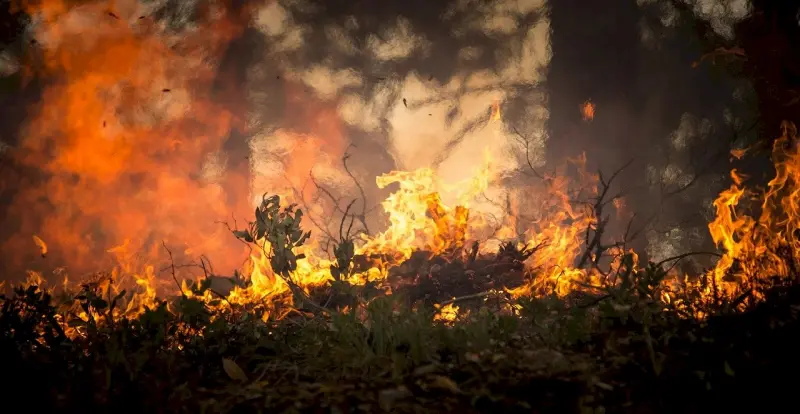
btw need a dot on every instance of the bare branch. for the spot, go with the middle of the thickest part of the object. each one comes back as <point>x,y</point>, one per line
<point>172,263</point>
<point>363,216</point>
<point>527,144</point>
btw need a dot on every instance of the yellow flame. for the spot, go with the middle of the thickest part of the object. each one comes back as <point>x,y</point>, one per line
<point>41,244</point>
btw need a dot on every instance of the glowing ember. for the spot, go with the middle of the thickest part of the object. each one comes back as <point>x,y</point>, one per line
<point>587,110</point>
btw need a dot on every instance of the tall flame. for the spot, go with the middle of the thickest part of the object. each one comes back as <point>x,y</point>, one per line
<point>124,134</point>
<point>127,129</point>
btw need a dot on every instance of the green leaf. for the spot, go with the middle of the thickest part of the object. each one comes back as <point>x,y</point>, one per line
<point>243,235</point>
<point>728,370</point>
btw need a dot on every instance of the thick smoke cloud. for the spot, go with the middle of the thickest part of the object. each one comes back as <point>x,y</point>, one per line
<point>690,161</point>
<point>403,104</point>
<point>411,84</point>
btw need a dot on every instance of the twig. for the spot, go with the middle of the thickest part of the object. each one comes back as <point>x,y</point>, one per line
<point>526,141</point>
<point>342,235</point>
<point>172,266</point>
<point>473,254</point>
<point>467,297</point>
<point>593,241</point>
<point>300,294</point>
<point>594,302</point>
<point>207,274</point>
<point>685,255</point>
<point>739,300</point>
<point>233,230</point>
<point>363,216</point>
<point>323,229</point>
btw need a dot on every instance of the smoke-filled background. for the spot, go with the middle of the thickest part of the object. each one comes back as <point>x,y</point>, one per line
<point>128,126</point>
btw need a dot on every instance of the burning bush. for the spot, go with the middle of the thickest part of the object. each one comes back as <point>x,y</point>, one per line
<point>462,303</point>
<point>628,336</point>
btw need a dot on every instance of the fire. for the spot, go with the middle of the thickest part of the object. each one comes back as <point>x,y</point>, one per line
<point>766,245</point>
<point>447,313</point>
<point>129,122</point>
<point>40,244</point>
<point>587,110</point>
<point>738,153</point>
<point>123,134</point>
<point>419,220</point>
<point>131,115</point>
<point>496,116</point>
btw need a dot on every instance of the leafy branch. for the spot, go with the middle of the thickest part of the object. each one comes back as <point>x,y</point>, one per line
<point>277,232</point>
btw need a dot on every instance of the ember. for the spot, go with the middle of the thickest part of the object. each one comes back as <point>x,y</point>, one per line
<point>587,110</point>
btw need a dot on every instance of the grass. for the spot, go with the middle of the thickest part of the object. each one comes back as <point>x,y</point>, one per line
<point>637,345</point>
<point>622,351</point>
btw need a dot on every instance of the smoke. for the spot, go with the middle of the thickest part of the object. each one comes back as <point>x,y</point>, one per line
<point>159,120</point>
<point>162,119</point>
<point>392,108</point>
<point>121,138</point>
<point>690,161</point>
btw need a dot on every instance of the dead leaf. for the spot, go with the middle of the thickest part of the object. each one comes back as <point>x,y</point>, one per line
<point>426,369</point>
<point>604,386</point>
<point>444,383</point>
<point>233,370</point>
<point>497,357</point>
<point>387,398</point>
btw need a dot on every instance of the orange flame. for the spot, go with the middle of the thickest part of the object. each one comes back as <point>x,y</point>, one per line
<point>496,116</point>
<point>40,244</point>
<point>128,123</point>
<point>767,245</point>
<point>587,110</point>
<point>123,134</point>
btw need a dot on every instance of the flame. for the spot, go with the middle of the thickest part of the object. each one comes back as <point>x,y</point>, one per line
<point>587,110</point>
<point>128,122</point>
<point>496,115</point>
<point>766,245</point>
<point>40,244</point>
<point>447,313</point>
<point>123,135</point>
<point>420,220</point>
<point>739,153</point>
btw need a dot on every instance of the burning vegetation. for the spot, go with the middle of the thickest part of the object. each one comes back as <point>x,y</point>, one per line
<point>452,307</point>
